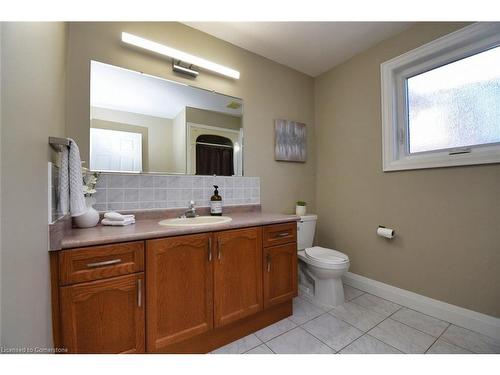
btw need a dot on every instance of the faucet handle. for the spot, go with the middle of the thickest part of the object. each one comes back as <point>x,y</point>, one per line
<point>191,203</point>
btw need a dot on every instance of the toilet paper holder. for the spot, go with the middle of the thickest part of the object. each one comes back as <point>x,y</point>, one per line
<point>385,232</point>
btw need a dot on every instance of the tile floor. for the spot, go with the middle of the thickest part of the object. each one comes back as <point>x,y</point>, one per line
<point>364,324</point>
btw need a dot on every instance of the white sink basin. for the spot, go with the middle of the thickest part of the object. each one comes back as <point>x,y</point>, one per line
<point>195,221</point>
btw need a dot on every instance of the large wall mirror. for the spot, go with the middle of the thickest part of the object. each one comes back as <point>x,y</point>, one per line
<point>140,123</point>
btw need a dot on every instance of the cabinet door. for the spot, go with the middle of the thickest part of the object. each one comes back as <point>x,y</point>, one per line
<point>280,274</point>
<point>105,316</point>
<point>238,275</point>
<point>180,289</point>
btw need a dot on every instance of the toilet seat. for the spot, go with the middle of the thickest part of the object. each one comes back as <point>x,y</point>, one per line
<point>324,255</point>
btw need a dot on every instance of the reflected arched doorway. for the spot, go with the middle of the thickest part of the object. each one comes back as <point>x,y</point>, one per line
<point>214,155</point>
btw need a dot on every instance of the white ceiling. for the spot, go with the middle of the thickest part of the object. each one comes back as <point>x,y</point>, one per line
<point>129,91</point>
<point>309,47</point>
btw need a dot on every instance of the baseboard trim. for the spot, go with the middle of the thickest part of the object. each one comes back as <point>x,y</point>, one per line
<point>482,323</point>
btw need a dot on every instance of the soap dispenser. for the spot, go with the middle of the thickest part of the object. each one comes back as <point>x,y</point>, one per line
<point>216,203</point>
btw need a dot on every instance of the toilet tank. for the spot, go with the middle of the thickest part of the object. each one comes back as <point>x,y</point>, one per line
<point>305,231</point>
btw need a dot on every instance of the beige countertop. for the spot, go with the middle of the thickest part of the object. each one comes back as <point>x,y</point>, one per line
<point>149,228</point>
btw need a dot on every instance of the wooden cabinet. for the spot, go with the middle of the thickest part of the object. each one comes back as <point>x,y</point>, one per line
<point>179,289</point>
<point>280,274</point>
<point>237,275</point>
<point>100,262</point>
<point>279,234</point>
<point>105,316</point>
<point>182,294</point>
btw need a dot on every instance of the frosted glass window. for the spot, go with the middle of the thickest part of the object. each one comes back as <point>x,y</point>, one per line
<point>113,150</point>
<point>455,105</point>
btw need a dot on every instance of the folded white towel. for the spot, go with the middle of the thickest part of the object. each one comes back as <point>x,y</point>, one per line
<point>117,223</point>
<point>116,216</point>
<point>71,181</point>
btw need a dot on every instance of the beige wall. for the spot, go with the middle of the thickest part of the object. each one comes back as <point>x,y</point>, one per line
<point>269,90</point>
<point>212,118</point>
<point>179,142</point>
<point>447,220</point>
<point>33,107</point>
<point>1,27</point>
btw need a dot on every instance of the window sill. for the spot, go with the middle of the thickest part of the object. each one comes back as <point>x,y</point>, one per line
<point>476,157</point>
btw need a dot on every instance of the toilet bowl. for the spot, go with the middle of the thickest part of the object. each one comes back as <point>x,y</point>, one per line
<point>320,269</point>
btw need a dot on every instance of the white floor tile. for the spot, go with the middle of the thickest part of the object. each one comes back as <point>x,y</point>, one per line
<point>358,316</point>
<point>351,293</point>
<point>275,329</point>
<point>332,331</point>
<point>298,341</point>
<point>261,349</point>
<point>402,337</point>
<point>422,322</point>
<point>443,347</point>
<point>377,304</point>
<point>406,331</point>
<point>369,345</point>
<point>470,340</point>
<point>239,346</point>
<point>304,311</point>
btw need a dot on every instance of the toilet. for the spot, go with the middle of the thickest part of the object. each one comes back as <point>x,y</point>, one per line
<point>320,269</point>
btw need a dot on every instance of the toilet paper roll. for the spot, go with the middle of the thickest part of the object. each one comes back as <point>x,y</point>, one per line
<point>385,232</point>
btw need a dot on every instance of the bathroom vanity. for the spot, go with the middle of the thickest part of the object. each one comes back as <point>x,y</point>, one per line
<point>169,289</point>
<point>148,288</point>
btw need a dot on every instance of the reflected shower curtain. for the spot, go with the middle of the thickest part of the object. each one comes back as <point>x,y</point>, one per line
<point>212,160</point>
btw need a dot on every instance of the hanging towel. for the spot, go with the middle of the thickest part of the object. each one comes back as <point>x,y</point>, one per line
<point>64,182</point>
<point>71,181</point>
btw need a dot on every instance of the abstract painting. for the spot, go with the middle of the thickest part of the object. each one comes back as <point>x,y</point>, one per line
<point>290,141</point>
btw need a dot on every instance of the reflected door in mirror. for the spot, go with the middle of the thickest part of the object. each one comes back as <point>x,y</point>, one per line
<point>214,160</point>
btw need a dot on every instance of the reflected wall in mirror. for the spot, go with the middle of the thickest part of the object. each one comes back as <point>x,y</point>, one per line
<point>140,123</point>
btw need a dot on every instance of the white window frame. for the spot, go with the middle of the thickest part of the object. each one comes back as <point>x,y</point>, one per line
<point>465,42</point>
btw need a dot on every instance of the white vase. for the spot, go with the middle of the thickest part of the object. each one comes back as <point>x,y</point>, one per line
<point>300,210</point>
<point>90,218</point>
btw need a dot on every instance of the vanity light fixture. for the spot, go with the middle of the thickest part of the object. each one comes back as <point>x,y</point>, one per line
<point>179,55</point>
<point>178,68</point>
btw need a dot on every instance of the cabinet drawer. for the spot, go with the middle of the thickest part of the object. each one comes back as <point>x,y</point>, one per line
<point>100,262</point>
<point>279,234</point>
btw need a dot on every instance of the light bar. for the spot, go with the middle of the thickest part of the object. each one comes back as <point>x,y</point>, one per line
<point>179,55</point>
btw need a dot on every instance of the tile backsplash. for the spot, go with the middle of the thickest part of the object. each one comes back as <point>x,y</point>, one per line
<point>54,212</point>
<point>141,192</point>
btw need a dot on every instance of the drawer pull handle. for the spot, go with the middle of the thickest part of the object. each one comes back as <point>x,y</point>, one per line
<point>283,234</point>
<point>104,263</point>
<point>139,292</point>
<point>209,249</point>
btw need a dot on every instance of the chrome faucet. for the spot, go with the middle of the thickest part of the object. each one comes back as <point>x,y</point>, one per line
<point>191,211</point>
